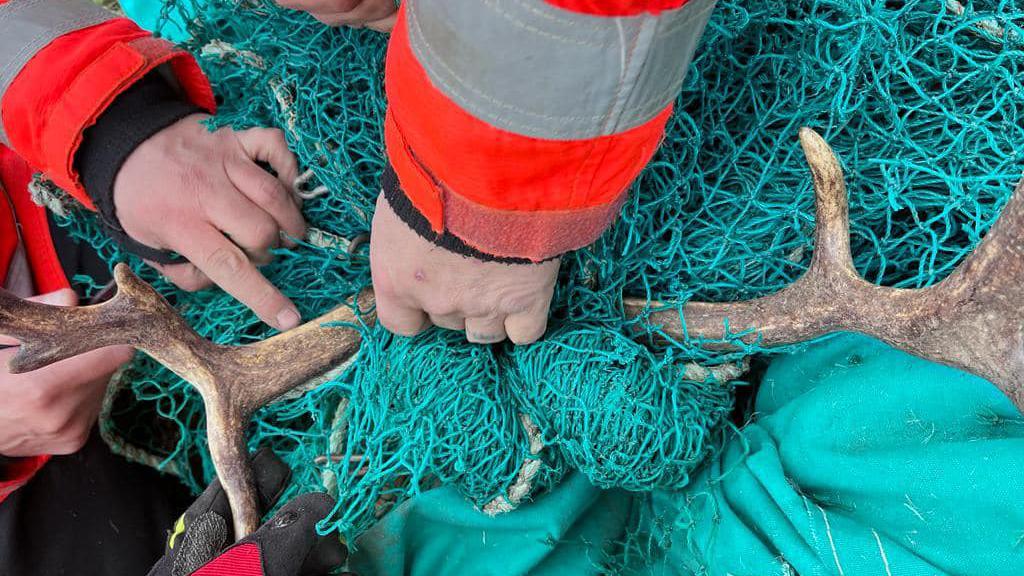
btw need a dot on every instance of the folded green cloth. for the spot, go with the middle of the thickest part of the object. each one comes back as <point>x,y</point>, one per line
<point>859,460</point>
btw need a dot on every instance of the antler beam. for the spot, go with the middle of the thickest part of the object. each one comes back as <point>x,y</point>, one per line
<point>973,320</point>
<point>234,381</point>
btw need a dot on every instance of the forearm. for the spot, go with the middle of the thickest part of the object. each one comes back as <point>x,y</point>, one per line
<point>517,129</point>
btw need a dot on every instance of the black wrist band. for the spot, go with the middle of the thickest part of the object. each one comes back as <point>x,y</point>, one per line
<point>147,107</point>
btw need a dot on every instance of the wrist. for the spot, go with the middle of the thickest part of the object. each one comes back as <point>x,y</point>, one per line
<point>404,209</point>
<point>138,114</point>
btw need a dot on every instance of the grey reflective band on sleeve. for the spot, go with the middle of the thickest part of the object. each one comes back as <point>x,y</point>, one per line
<point>27,26</point>
<point>537,70</point>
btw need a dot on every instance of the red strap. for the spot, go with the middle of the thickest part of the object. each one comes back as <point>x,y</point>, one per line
<point>47,273</point>
<point>617,7</point>
<point>241,560</point>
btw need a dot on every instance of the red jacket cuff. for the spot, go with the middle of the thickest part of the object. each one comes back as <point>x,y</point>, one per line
<point>65,87</point>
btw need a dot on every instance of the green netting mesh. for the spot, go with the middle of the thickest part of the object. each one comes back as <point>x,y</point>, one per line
<point>920,99</point>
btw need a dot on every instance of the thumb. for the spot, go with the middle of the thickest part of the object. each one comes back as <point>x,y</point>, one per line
<point>62,297</point>
<point>384,24</point>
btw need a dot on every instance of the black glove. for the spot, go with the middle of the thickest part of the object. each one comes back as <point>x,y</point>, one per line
<point>286,545</point>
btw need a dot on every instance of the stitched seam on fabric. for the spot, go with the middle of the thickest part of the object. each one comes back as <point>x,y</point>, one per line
<point>687,19</point>
<point>636,60</point>
<point>657,101</point>
<point>530,28</point>
<point>575,192</point>
<point>589,23</point>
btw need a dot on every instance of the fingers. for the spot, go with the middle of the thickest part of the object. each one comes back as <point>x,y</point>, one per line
<point>62,297</point>
<point>268,145</point>
<point>384,24</point>
<point>485,330</point>
<point>245,223</point>
<point>228,267</point>
<point>97,365</point>
<point>526,328</point>
<point>270,195</point>
<point>185,276</point>
<point>400,319</point>
<point>349,13</point>
<point>448,321</point>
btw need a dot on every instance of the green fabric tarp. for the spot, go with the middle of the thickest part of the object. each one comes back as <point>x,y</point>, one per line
<point>858,460</point>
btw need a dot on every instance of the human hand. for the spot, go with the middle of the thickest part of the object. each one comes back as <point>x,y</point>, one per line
<point>378,15</point>
<point>52,410</point>
<point>202,195</point>
<point>417,283</point>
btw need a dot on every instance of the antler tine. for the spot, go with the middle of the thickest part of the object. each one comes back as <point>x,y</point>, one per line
<point>801,311</point>
<point>973,320</point>
<point>50,334</point>
<point>233,381</point>
<point>832,215</point>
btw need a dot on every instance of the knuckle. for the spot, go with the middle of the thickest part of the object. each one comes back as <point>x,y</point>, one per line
<point>226,259</point>
<point>400,325</point>
<point>76,437</point>
<point>270,192</point>
<point>266,298</point>
<point>266,234</point>
<point>193,177</point>
<point>441,309</point>
<point>519,305</point>
<point>276,135</point>
<point>71,442</point>
<point>188,279</point>
<point>344,5</point>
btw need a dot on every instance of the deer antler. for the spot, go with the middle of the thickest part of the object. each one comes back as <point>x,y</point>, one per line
<point>234,381</point>
<point>974,319</point>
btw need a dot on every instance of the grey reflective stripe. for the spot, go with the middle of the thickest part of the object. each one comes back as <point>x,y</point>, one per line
<point>541,71</point>
<point>27,26</point>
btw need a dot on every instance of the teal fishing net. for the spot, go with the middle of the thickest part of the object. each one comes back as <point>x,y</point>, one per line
<point>920,99</point>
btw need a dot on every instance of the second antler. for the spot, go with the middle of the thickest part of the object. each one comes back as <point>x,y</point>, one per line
<point>234,381</point>
<point>973,320</point>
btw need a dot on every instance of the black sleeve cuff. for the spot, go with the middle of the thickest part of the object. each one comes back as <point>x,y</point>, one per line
<point>408,213</point>
<point>147,107</point>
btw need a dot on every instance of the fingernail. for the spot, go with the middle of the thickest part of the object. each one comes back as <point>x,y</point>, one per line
<point>288,318</point>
